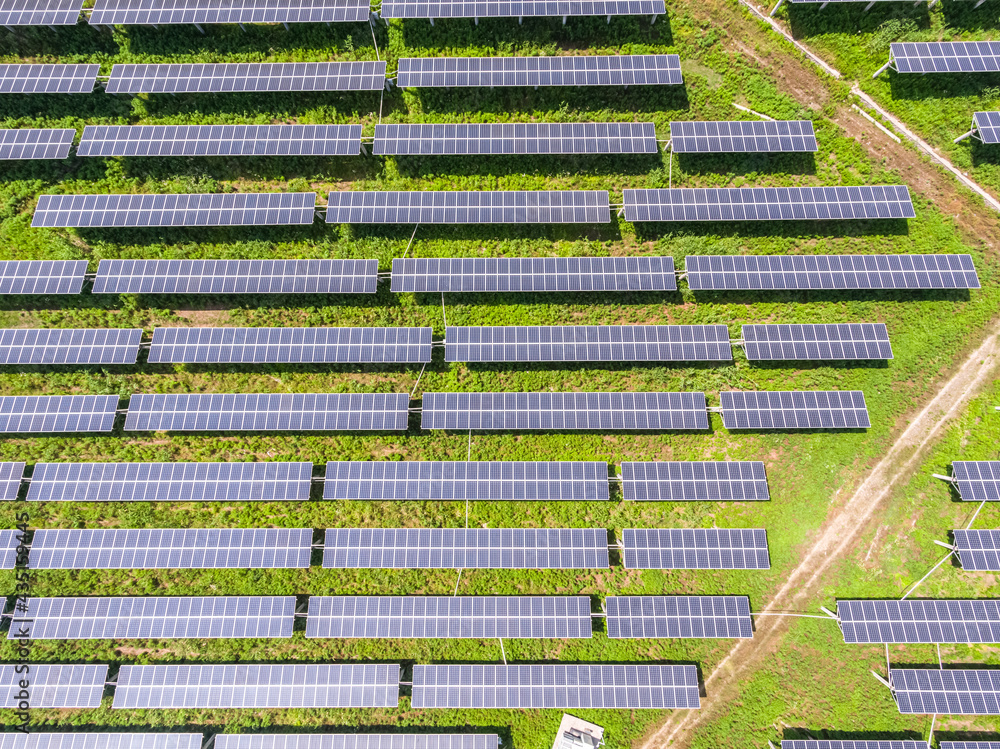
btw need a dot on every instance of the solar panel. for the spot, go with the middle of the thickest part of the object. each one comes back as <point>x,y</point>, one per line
<point>776,272</point>
<point>796,409</point>
<point>518,411</point>
<point>213,209</point>
<point>978,480</point>
<point>987,126</point>
<point>35,143</point>
<point>945,57</point>
<point>10,479</point>
<point>978,550</point>
<point>534,274</point>
<point>695,549</point>
<point>169,482</point>
<point>466,548</point>
<point>236,277</point>
<point>358,741</point>
<point>449,617</point>
<point>258,685</point>
<point>701,617</point>
<point>235,77</point>
<point>130,12</point>
<point>519,8</point>
<point>970,744</point>
<point>161,617</point>
<point>170,548</point>
<point>220,140</point>
<point>48,79</point>
<point>556,685</point>
<point>291,345</point>
<point>574,70</point>
<point>758,136</point>
<point>10,539</point>
<point>68,346</point>
<point>56,684</point>
<point>816,342</point>
<point>514,138</point>
<point>812,744</point>
<point>931,691</point>
<point>267,412</point>
<point>691,481</point>
<point>460,480</point>
<point>90,740</point>
<point>57,413</point>
<point>42,276</point>
<point>948,621</point>
<point>40,12</point>
<point>769,203</point>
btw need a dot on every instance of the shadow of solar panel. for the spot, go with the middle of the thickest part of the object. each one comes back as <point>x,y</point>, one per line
<point>171,548</point>
<point>8,548</point>
<point>133,12</point>
<point>466,548</point>
<point>57,413</point>
<point>90,740</point>
<point>229,209</point>
<point>796,409</point>
<point>977,480</point>
<point>695,549</point>
<point>691,481</point>
<point>556,686</point>
<point>929,691</point>
<point>449,617</point>
<point>56,685</point>
<point>235,77</point>
<point>534,274</point>
<point>945,57</point>
<point>576,70</point>
<point>35,143</point>
<point>220,140</point>
<point>42,276</point>
<point>779,272</point>
<point>291,345</point>
<point>987,127</point>
<point>812,744</point>
<point>161,482</point>
<point>978,549</point>
<point>258,685</point>
<point>358,741</point>
<point>816,342</point>
<point>769,203</point>
<point>515,138</point>
<point>236,277</point>
<point>520,8</point>
<point>700,617</point>
<point>162,617</point>
<point>40,12</point>
<point>10,480</point>
<point>943,621</point>
<point>68,346</point>
<point>737,136</point>
<point>571,343</point>
<point>48,79</point>
<point>528,411</point>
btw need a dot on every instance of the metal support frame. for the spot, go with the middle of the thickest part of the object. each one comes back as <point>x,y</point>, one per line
<point>884,68</point>
<point>780,3</point>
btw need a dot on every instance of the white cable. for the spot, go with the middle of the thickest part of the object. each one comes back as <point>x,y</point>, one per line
<point>443,315</point>
<point>410,243</point>
<point>418,379</point>
<point>926,576</point>
<point>975,514</point>
<point>372,27</point>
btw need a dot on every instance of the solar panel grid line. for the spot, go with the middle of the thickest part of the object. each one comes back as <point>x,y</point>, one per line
<point>567,343</point>
<point>701,617</point>
<point>42,276</point>
<point>156,12</point>
<point>695,549</point>
<point>48,79</point>
<point>246,77</point>
<point>839,341</point>
<point>10,539</point>
<point>945,57</point>
<point>358,741</point>
<point>69,346</point>
<point>92,740</point>
<point>520,8</point>
<point>56,685</point>
<point>987,126</point>
<point>466,548</point>
<point>11,475</point>
<point>737,136</point>
<point>35,143</point>
<point>946,691</point>
<point>57,413</point>
<point>795,409</point>
<point>977,480</point>
<point>978,549</point>
<point>672,481</point>
<point>40,12</point>
<point>920,621</point>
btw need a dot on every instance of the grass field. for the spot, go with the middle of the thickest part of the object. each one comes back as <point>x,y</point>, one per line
<point>929,333</point>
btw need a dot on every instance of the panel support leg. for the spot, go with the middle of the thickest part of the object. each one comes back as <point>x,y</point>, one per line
<point>963,137</point>
<point>778,6</point>
<point>243,28</point>
<point>869,6</point>
<point>651,20</point>
<point>520,20</point>
<point>476,19</point>
<point>9,28</point>
<point>978,3</point>
<point>287,28</point>
<point>564,20</point>
<point>882,69</point>
<point>198,26</point>
<point>431,20</point>
<point>609,20</point>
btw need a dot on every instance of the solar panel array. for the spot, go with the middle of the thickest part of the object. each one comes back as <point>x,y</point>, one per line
<point>10,479</point>
<point>519,8</point>
<point>35,143</point>
<point>40,12</point>
<point>9,541</point>
<point>261,686</point>
<point>170,548</point>
<point>69,346</point>
<point>213,209</point>
<point>674,481</point>
<point>945,57</point>
<point>357,741</point>
<point>758,136</point>
<point>42,276</point>
<point>291,345</point>
<point>534,274</point>
<point>514,138</point>
<point>970,745</point>
<point>931,691</point>
<point>678,616</point>
<point>977,480</point>
<point>466,548</point>
<point>267,412</point>
<point>237,77</point>
<point>556,686</point>
<point>319,276</point>
<point>55,684</point>
<point>220,140</point>
<point>449,617</point>
<point>571,343</point>
<point>796,409</point>
<point>177,482</point>
<point>130,12</point>
<point>546,410</point>
<point>813,744</point>
<point>816,342</point>
<point>774,272</point>
<point>695,549</point>
<point>944,621</point>
<point>459,480</point>
<point>48,79</point>
<point>978,549</point>
<point>159,617</point>
<point>91,740</point>
<point>57,413</point>
<point>469,207</point>
<point>768,203</point>
<point>987,126</point>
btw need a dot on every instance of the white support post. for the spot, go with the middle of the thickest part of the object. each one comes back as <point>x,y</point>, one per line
<point>502,653</point>
<point>881,680</point>
<point>564,20</point>
<point>198,26</point>
<point>949,479</point>
<point>431,20</point>
<point>651,22</point>
<point>964,136</point>
<point>476,19</point>
<point>287,27</point>
<point>882,69</point>
<point>869,6</point>
<point>980,2</point>
<point>609,20</point>
<point>520,20</point>
<point>775,10</point>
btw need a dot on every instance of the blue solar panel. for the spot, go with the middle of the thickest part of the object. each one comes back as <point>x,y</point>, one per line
<point>57,413</point>
<point>155,12</point>
<point>40,12</point>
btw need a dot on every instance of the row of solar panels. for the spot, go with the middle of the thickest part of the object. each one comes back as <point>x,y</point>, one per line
<point>944,57</point>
